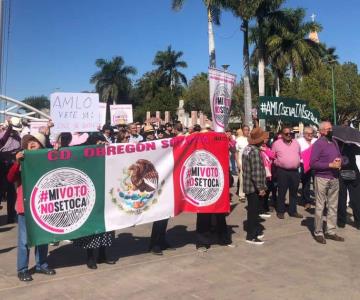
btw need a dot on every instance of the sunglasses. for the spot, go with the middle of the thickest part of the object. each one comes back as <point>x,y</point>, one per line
<point>287,134</point>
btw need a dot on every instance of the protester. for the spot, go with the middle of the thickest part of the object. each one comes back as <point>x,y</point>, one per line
<point>326,163</point>
<point>306,143</point>
<point>123,136</point>
<point>107,132</point>
<point>135,136</point>
<point>232,151</point>
<point>241,143</point>
<point>349,181</point>
<point>287,162</point>
<point>267,156</point>
<point>32,143</point>
<point>254,178</point>
<point>178,129</point>
<point>99,241</point>
<point>11,144</point>
<point>168,131</point>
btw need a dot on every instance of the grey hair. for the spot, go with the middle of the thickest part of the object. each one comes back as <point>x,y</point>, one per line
<point>322,124</point>
<point>308,128</point>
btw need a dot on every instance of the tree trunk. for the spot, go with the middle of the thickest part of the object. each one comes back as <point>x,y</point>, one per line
<point>246,63</point>
<point>261,63</point>
<point>261,80</point>
<point>212,58</point>
<point>277,84</point>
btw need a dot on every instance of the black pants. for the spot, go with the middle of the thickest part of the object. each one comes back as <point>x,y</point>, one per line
<point>158,234</point>
<point>287,180</point>
<point>203,227</point>
<point>252,224</point>
<point>354,194</point>
<point>10,200</point>
<point>305,182</point>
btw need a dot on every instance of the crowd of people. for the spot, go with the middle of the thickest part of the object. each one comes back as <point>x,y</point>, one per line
<point>264,166</point>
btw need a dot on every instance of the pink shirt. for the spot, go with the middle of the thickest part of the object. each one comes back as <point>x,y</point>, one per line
<point>287,156</point>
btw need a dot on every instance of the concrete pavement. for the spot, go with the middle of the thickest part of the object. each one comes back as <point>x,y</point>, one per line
<point>290,265</point>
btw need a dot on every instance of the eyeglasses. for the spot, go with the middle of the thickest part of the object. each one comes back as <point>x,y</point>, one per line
<point>287,134</point>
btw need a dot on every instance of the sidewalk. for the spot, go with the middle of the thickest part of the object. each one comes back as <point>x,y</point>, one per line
<point>290,265</point>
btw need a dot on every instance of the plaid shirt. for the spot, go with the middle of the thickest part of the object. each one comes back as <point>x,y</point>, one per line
<point>254,178</point>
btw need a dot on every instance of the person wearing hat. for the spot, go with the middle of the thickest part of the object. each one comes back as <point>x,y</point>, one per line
<point>149,133</point>
<point>29,142</point>
<point>254,184</point>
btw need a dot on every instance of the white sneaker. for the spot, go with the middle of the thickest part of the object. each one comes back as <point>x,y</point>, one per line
<point>261,236</point>
<point>265,215</point>
<point>255,241</point>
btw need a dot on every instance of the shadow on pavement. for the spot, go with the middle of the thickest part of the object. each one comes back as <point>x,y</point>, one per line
<point>4,229</point>
<point>309,223</point>
<point>7,249</point>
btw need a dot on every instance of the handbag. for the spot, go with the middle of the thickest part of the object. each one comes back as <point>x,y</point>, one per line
<point>348,174</point>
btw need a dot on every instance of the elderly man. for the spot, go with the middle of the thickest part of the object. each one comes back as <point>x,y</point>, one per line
<point>326,162</point>
<point>287,162</point>
<point>135,137</point>
<point>306,142</point>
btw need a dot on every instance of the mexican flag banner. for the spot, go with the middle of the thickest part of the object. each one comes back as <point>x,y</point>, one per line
<point>80,191</point>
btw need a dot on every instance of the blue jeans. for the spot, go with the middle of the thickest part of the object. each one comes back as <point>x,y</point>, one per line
<point>23,249</point>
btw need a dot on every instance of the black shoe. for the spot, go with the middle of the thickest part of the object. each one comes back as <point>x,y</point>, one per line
<point>45,271</point>
<point>320,239</point>
<point>156,250</point>
<point>341,225</point>
<point>104,260</point>
<point>334,237</point>
<point>296,215</point>
<point>25,276</point>
<point>91,264</point>
<point>280,215</point>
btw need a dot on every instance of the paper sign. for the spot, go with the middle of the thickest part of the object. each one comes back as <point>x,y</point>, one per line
<point>121,114</point>
<point>36,125</point>
<point>74,112</point>
<point>102,114</point>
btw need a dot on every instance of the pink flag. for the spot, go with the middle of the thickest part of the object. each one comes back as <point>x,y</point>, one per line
<point>305,156</point>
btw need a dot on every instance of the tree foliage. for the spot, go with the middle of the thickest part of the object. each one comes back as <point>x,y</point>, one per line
<point>317,89</point>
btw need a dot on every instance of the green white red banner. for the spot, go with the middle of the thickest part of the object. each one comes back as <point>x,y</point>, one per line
<point>79,191</point>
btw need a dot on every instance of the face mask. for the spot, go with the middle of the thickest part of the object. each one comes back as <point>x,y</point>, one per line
<point>329,135</point>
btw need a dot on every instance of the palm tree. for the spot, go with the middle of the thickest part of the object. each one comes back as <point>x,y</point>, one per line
<point>291,45</point>
<point>168,63</point>
<point>329,56</point>
<point>245,9</point>
<point>112,81</point>
<point>267,11</point>
<point>213,8</point>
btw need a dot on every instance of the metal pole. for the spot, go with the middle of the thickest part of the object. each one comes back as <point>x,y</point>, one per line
<point>333,90</point>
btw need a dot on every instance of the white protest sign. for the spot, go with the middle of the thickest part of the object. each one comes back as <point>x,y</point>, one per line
<point>121,113</point>
<point>74,112</point>
<point>102,113</point>
<point>36,125</point>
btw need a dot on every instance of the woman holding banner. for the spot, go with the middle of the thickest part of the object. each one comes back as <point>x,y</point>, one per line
<point>32,143</point>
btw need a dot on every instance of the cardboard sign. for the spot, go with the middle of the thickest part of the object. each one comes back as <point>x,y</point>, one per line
<point>74,112</point>
<point>121,114</point>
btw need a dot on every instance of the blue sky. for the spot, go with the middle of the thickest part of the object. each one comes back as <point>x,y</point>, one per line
<point>54,44</point>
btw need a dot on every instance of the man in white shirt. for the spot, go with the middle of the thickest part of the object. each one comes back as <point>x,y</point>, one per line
<point>306,141</point>
<point>241,143</point>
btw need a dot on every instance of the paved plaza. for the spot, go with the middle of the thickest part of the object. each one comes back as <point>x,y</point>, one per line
<point>290,265</point>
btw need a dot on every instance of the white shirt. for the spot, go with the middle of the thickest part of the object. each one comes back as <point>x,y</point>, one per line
<point>304,145</point>
<point>241,143</point>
